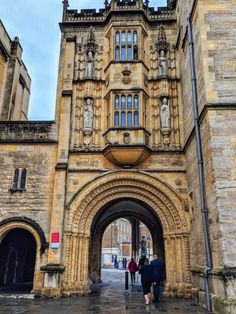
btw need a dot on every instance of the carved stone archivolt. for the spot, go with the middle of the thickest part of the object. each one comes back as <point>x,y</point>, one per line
<point>141,187</point>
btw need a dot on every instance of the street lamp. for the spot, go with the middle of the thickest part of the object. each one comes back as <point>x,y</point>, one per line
<point>148,245</point>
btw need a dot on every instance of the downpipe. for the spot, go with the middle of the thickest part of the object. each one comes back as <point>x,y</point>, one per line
<point>204,210</point>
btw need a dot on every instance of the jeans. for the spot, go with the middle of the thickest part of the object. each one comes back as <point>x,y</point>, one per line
<point>132,275</point>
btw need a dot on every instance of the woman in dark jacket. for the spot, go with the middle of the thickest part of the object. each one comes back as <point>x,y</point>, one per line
<point>146,280</point>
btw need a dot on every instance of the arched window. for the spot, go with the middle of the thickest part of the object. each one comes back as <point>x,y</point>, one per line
<point>129,38</point>
<point>129,53</point>
<point>118,53</point>
<point>117,38</point>
<point>135,102</point>
<point>129,102</point>
<point>117,104</point>
<point>123,119</point>
<point>15,179</point>
<point>136,119</point>
<point>129,119</point>
<point>116,119</point>
<point>123,53</point>
<point>126,111</point>
<point>19,180</point>
<point>126,45</point>
<point>123,38</point>
<point>135,38</point>
<point>123,102</point>
<point>23,179</point>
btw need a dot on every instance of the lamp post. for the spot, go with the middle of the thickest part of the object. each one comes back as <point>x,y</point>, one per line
<point>149,248</point>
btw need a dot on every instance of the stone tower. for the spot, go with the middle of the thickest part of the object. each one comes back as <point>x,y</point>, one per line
<point>123,145</point>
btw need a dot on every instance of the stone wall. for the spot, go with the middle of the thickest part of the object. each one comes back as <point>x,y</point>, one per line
<point>35,201</point>
<point>213,32</point>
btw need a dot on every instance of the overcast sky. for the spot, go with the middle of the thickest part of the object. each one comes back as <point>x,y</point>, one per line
<point>35,22</point>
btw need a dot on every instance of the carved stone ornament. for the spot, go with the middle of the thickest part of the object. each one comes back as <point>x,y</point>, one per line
<point>162,43</point>
<point>88,116</point>
<point>165,121</point>
<point>163,64</point>
<point>126,79</point>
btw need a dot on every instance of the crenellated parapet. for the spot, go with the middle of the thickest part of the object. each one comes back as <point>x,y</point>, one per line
<point>103,15</point>
<point>28,132</point>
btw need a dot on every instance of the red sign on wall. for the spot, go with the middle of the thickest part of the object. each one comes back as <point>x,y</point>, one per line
<point>55,239</point>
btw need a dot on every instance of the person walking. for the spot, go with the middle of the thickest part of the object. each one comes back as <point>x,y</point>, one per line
<point>132,269</point>
<point>157,276</point>
<point>146,280</point>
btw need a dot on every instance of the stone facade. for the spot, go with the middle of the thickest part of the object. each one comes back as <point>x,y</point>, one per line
<point>15,81</point>
<point>123,145</point>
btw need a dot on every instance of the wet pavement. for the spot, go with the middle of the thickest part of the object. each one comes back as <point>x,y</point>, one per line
<point>106,298</point>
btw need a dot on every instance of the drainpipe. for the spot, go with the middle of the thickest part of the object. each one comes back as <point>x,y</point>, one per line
<point>204,209</point>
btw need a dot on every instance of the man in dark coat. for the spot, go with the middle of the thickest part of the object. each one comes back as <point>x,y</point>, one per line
<point>158,268</point>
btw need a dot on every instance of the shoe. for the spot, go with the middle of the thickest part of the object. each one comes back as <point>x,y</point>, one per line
<point>147,302</point>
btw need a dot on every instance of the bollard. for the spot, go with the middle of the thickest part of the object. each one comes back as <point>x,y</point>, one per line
<point>126,283</point>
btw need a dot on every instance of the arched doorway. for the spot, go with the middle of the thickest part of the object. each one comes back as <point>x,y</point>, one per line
<point>135,211</point>
<point>17,260</point>
<point>29,234</point>
<point>163,206</point>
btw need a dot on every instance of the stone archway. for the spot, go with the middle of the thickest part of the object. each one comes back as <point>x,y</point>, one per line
<point>33,229</point>
<point>141,187</point>
<point>125,208</point>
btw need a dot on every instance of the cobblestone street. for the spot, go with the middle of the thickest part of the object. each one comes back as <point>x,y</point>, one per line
<point>105,298</point>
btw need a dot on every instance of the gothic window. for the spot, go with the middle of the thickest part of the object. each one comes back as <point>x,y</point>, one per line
<point>19,180</point>
<point>15,179</point>
<point>126,46</point>
<point>126,112</point>
<point>117,116</point>
<point>23,179</point>
<point>118,53</point>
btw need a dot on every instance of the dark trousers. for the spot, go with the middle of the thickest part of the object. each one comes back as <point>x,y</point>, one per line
<point>156,290</point>
<point>132,275</point>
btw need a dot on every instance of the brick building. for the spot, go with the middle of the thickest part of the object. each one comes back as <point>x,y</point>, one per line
<point>117,242</point>
<point>123,144</point>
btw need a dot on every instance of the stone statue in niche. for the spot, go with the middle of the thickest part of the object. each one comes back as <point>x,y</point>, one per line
<point>163,64</point>
<point>165,114</point>
<point>88,116</point>
<point>90,65</point>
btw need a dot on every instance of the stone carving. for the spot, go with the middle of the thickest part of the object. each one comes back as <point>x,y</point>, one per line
<point>165,114</point>
<point>90,52</point>
<point>163,64</point>
<point>90,65</point>
<point>165,121</point>
<point>88,116</point>
<point>126,79</point>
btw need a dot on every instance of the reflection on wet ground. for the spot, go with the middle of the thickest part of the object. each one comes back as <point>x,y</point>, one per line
<point>105,298</point>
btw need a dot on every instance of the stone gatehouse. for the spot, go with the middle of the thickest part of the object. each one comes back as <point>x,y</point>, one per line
<point>123,145</point>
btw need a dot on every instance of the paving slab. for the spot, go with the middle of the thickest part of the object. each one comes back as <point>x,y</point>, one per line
<point>106,298</point>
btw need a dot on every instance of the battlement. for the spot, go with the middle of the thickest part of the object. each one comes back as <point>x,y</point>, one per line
<point>124,6</point>
<point>29,132</point>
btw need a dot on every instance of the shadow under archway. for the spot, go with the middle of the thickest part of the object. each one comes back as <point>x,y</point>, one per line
<point>127,208</point>
<point>17,260</point>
